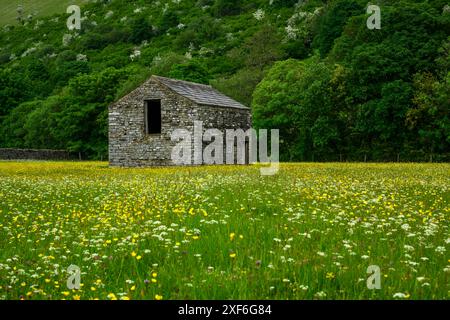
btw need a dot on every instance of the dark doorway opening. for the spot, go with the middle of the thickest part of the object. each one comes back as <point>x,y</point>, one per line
<point>153,116</point>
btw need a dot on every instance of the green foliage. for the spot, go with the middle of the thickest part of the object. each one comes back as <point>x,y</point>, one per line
<point>95,88</point>
<point>65,67</point>
<point>263,48</point>
<point>14,89</point>
<point>367,107</point>
<point>333,21</point>
<point>294,98</point>
<point>284,3</point>
<point>42,124</point>
<point>353,93</point>
<point>162,66</point>
<point>192,71</point>
<point>430,117</point>
<point>169,20</point>
<point>141,30</point>
<point>241,85</point>
<point>227,7</point>
<point>137,76</point>
<point>12,130</point>
<point>380,123</point>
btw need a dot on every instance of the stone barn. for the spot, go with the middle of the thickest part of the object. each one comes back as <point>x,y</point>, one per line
<point>142,122</point>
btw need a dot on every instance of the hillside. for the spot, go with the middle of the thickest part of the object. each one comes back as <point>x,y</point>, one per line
<point>334,88</point>
<point>38,9</point>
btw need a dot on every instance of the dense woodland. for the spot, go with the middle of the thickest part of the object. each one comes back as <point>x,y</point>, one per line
<point>336,90</point>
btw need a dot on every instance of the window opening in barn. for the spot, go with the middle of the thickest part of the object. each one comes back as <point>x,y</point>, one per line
<point>153,116</point>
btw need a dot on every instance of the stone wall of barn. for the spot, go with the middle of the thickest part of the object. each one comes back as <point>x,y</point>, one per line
<point>224,118</point>
<point>130,146</point>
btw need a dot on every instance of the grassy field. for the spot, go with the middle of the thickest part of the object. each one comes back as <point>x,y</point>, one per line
<point>309,232</point>
<point>8,12</point>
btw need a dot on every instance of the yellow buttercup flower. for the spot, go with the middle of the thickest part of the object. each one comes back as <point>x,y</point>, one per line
<point>330,275</point>
<point>112,296</point>
<point>158,297</point>
<point>232,255</point>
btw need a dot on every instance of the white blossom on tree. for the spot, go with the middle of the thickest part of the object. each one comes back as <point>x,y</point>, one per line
<point>259,14</point>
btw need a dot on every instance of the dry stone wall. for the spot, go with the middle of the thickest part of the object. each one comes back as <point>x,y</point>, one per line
<point>30,154</point>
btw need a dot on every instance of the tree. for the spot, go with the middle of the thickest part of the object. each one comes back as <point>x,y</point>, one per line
<point>430,117</point>
<point>381,122</point>
<point>241,85</point>
<point>227,7</point>
<point>332,23</point>
<point>41,125</point>
<point>263,48</point>
<point>190,71</point>
<point>169,20</point>
<point>141,30</point>
<point>15,88</point>
<point>294,97</point>
<point>12,129</point>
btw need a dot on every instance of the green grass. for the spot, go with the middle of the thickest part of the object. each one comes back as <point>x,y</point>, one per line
<point>309,232</point>
<point>40,8</point>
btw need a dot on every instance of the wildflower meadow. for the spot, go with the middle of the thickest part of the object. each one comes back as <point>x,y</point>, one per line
<point>224,232</point>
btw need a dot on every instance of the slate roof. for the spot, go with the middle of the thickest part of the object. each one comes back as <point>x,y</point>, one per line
<point>200,93</point>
